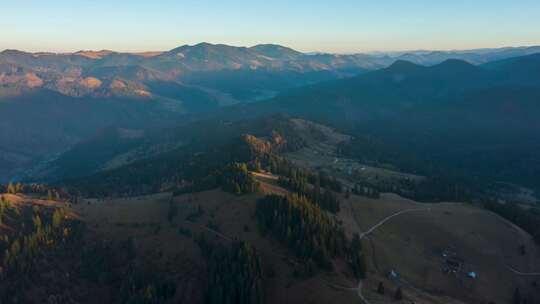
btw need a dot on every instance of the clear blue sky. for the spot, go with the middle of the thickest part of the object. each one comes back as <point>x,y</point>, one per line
<point>307,25</point>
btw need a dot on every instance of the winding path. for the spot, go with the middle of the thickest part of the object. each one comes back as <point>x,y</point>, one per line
<point>358,289</point>
<point>365,234</point>
<point>522,273</point>
<point>386,219</point>
<point>215,232</point>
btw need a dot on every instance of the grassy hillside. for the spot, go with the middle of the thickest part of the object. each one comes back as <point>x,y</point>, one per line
<point>416,245</point>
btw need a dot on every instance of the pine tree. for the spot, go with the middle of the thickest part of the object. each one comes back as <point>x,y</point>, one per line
<point>317,191</point>
<point>356,257</point>
<point>517,296</point>
<point>37,222</point>
<point>57,218</point>
<point>257,165</point>
<point>380,288</point>
<point>11,188</point>
<point>399,294</point>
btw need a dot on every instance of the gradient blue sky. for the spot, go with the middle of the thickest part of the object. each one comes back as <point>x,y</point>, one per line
<point>315,25</point>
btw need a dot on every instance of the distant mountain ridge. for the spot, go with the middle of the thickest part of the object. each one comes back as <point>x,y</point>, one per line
<point>279,67</point>
<point>405,85</point>
<point>474,56</point>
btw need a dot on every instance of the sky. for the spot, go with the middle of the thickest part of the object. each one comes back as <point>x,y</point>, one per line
<point>336,26</point>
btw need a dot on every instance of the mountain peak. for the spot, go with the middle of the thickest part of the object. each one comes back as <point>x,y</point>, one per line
<point>94,54</point>
<point>275,50</point>
<point>403,66</point>
<point>205,46</point>
<point>13,52</point>
<point>455,66</point>
<point>455,62</point>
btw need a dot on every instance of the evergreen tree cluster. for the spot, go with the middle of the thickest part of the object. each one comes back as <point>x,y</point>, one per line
<point>41,232</point>
<point>97,262</point>
<point>329,201</point>
<point>132,279</point>
<point>429,189</point>
<point>366,190</point>
<point>314,237</point>
<point>5,205</point>
<point>13,189</point>
<point>23,251</point>
<point>326,181</point>
<point>140,286</point>
<point>281,166</point>
<point>172,212</point>
<point>46,191</point>
<point>357,258</point>
<point>299,183</point>
<point>437,189</point>
<point>237,179</point>
<point>277,164</point>
<point>234,275</point>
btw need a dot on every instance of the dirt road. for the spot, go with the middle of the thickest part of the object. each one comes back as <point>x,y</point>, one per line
<point>386,219</point>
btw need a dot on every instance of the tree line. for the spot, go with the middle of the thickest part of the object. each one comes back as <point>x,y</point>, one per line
<point>326,199</point>
<point>313,236</point>
<point>366,189</point>
<point>132,278</point>
<point>234,274</point>
<point>41,232</point>
<point>237,179</point>
<point>46,191</point>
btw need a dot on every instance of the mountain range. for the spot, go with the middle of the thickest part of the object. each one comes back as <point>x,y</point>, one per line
<point>54,101</point>
<point>241,72</point>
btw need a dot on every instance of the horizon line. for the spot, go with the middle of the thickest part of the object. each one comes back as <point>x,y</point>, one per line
<point>372,52</point>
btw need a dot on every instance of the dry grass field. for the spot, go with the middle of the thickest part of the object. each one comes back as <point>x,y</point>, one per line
<point>226,217</point>
<point>416,245</point>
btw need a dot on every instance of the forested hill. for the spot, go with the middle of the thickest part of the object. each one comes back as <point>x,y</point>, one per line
<point>453,118</point>
<point>154,163</point>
